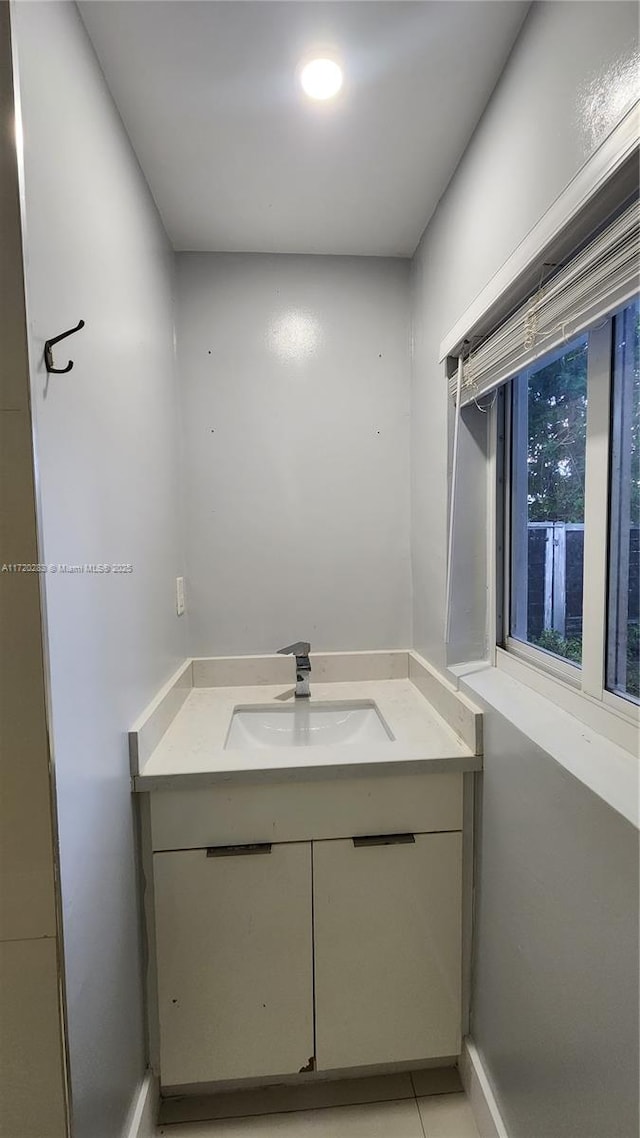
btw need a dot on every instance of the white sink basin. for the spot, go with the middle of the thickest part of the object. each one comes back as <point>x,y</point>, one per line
<point>305,724</point>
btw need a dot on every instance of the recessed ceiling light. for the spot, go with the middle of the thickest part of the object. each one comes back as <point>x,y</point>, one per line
<point>321,78</point>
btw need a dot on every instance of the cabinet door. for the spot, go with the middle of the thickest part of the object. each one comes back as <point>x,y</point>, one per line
<point>387,949</point>
<point>234,953</point>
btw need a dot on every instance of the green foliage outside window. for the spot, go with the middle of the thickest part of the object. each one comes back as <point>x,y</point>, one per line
<point>552,641</point>
<point>557,439</point>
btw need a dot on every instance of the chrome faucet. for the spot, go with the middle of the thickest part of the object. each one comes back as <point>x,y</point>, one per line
<point>301,651</point>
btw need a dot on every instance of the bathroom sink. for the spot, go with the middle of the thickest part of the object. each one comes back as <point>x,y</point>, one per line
<point>305,724</point>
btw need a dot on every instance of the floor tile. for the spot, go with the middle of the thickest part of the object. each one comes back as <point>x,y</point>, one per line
<point>372,1120</point>
<point>437,1081</point>
<point>278,1099</point>
<point>447,1116</point>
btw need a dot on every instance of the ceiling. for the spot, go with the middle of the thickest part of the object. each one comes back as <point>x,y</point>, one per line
<point>239,159</point>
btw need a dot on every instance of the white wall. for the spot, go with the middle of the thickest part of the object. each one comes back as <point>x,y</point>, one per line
<point>295,386</point>
<point>568,79</point>
<point>106,455</point>
<point>556,989</point>
<point>556,937</point>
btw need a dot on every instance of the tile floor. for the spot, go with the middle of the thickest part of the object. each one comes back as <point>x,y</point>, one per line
<point>414,1116</point>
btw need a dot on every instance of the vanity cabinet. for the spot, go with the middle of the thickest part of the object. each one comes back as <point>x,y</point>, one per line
<point>387,942</point>
<point>309,927</point>
<point>234,961</point>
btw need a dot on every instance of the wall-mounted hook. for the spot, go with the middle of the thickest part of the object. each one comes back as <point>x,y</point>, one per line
<point>48,344</point>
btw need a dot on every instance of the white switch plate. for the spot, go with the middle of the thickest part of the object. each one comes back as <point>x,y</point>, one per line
<point>179,595</point>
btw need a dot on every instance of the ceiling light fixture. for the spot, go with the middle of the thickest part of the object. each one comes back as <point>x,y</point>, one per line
<point>321,78</point>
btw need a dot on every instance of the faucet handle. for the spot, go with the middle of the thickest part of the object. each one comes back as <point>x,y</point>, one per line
<point>300,648</point>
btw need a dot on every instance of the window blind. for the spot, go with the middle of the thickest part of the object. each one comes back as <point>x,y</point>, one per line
<point>600,278</point>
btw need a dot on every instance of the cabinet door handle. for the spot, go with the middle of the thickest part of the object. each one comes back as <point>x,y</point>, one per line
<point>385,840</point>
<point>239,851</point>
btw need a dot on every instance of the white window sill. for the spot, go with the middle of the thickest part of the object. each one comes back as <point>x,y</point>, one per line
<point>609,770</point>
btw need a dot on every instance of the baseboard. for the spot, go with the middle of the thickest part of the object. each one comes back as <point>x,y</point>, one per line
<point>478,1090</point>
<point>143,1115</point>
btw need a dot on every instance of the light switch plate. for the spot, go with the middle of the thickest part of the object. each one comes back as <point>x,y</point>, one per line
<point>179,595</point>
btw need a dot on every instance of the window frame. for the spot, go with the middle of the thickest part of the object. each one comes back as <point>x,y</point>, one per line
<point>589,680</point>
<point>620,504</point>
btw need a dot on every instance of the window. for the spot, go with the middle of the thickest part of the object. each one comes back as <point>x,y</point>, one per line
<point>573,509</point>
<point>623,642</point>
<point>549,430</point>
<point>556,356</point>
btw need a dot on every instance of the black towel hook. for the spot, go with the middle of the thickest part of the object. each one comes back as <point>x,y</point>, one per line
<point>48,344</point>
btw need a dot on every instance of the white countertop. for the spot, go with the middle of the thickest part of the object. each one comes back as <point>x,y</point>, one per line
<point>191,752</point>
